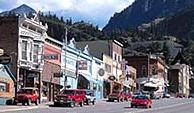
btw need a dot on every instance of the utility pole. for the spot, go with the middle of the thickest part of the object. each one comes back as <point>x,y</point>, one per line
<point>65,81</point>
<point>149,66</point>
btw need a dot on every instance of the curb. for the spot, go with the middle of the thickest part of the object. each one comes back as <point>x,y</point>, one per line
<point>19,109</point>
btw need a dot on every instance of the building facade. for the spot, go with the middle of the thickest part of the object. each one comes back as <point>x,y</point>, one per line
<point>111,55</point>
<point>51,73</point>
<point>151,72</point>
<point>23,39</point>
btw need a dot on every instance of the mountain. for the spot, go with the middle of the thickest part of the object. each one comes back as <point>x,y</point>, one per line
<point>180,25</point>
<point>144,11</point>
<point>19,10</point>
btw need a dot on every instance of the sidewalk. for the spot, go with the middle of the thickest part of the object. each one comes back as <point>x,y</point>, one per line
<point>7,108</point>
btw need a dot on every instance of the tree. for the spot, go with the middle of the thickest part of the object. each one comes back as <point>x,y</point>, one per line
<point>166,53</point>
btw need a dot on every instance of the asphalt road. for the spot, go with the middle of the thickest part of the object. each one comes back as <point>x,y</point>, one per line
<point>173,105</point>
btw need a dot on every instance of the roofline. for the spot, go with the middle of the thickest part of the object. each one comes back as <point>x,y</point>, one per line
<point>117,42</point>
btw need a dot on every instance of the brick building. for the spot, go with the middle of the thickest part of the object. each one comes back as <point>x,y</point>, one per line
<point>151,71</point>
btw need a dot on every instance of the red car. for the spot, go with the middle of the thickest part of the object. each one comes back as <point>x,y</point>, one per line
<point>70,97</point>
<point>116,95</point>
<point>27,95</point>
<point>141,100</point>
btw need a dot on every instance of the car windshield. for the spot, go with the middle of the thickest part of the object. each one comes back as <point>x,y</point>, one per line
<point>29,91</point>
<point>68,92</point>
<point>141,97</point>
<point>91,93</point>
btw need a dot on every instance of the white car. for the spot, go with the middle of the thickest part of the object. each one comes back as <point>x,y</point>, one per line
<point>90,97</point>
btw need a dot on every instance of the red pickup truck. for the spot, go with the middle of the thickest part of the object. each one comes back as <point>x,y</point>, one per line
<point>70,97</point>
<point>27,95</point>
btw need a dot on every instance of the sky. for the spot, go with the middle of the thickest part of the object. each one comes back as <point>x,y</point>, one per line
<point>97,12</point>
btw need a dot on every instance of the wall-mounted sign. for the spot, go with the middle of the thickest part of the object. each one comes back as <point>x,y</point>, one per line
<point>58,75</point>
<point>5,59</point>
<point>1,52</point>
<point>112,78</point>
<point>82,65</point>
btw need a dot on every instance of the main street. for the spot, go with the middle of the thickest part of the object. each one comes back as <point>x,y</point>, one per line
<point>172,105</point>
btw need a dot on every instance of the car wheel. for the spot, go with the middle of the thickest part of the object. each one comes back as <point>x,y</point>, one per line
<point>72,104</point>
<point>81,104</point>
<point>118,100</point>
<point>93,102</point>
<point>29,102</point>
<point>147,106</point>
<point>23,103</point>
<point>150,106</point>
<point>132,106</point>
<point>36,102</point>
<point>87,102</point>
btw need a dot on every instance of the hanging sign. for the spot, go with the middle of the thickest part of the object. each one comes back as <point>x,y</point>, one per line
<point>5,59</point>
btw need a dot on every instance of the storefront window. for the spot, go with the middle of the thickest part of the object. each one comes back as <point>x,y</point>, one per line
<point>24,50</point>
<point>2,87</point>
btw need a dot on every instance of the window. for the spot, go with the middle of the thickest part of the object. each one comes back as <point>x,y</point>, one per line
<point>154,72</point>
<point>24,49</point>
<point>115,56</point>
<point>31,51</point>
<point>35,53</point>
<point>143,70</point>
<point>119,58</point>
<point>2,87</point>
<point>108,68</point>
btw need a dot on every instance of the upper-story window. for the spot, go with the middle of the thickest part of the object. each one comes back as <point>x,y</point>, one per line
<point>143,70</point>
<point>119,58</point>
<point>108,68</point>
<point>115,56</point>
<point>31,51</point>
<point>24,49</point>
<point>35,53</point>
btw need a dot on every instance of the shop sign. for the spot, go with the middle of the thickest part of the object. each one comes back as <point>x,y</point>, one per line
<point>5,59</point>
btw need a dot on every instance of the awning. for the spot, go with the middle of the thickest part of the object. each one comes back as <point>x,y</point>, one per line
<point>150,84</point>
<point>4,74</point>
<point>89,78</point>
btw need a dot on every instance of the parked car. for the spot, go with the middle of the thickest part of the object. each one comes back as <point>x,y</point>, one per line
<point>191,95</point>
<point>141,100</point>
<point>70,97</point>
<point>90,97</point>
<point>166,95</point>
<point>27,95</point>
<point>116,95</point>
<point>180,95</point>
